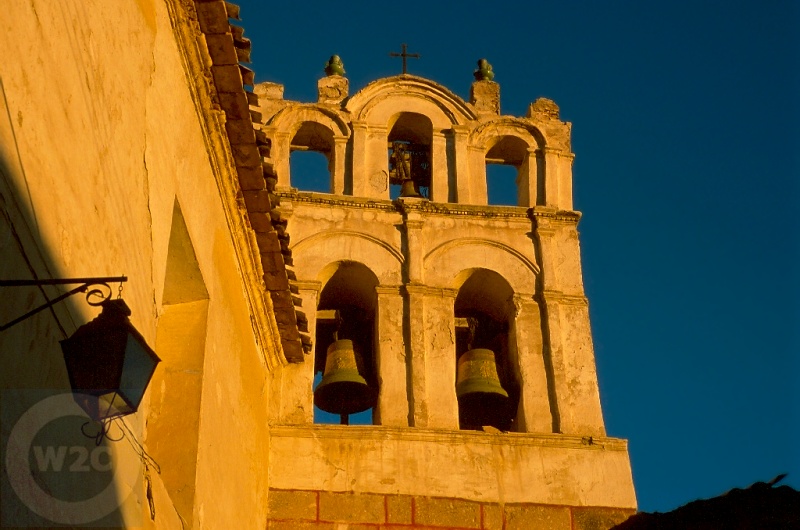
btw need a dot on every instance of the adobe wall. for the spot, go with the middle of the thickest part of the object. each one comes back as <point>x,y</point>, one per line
<point>100,138</point>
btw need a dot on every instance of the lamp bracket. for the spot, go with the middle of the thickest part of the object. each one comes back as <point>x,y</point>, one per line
<point>90,286</point>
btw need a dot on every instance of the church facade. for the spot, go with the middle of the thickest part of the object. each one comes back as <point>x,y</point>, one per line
<point>173,171</point>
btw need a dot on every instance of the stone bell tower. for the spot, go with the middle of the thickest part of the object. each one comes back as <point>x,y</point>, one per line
<point>418,284</point>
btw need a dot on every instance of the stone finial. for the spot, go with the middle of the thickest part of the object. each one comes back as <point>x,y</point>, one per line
<point>543,108</point>
<point>334,66</point>
<point>484,71</point>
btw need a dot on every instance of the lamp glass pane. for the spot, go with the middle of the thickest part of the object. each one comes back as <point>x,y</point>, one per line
<point>136,371</point>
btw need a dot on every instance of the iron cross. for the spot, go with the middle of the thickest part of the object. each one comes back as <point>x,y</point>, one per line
<point>405,56</point>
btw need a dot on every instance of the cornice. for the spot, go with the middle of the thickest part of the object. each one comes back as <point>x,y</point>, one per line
<point>404,206</point>
<point>457,438</point>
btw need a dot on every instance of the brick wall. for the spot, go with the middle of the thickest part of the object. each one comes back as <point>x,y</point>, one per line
<point>322,510</point>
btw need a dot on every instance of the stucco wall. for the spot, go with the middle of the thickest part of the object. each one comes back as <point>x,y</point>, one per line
<point>100,140</point>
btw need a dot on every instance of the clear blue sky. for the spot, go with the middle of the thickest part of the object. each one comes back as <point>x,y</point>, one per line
<point>685,130</point>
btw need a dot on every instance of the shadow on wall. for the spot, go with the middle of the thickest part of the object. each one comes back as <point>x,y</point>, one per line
<point>54,469</point>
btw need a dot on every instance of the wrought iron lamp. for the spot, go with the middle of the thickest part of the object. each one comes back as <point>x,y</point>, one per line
<point>108,361</point>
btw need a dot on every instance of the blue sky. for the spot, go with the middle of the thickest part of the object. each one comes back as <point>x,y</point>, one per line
<point>685,130</point>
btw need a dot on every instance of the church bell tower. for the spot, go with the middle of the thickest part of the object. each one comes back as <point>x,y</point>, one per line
<point>458,330</point>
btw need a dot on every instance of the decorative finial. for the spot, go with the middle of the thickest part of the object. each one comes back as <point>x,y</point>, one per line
<point>484,71</point>
<point>334,66</point>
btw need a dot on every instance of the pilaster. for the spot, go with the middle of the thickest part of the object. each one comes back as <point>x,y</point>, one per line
<point>282,146</point>
<point>377,162</point>
<point>416,349</point>
<point>391,359</point>
<point>292,400</point>
<point>526,350</point>
<point>569,354</point>
<point>460,180</point>
<point>440,361</point>
<point>527,180</point>
<point>439,191</point>
<point>431,328</point>
<point>338,167</point>
<point>359,168</point>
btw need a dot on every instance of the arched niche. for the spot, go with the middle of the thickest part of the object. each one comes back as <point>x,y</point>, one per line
<point>312,138</point>
<point>484,320</point>
<point>347,310</point>
<point>511,142</point>
<point>414,133</point>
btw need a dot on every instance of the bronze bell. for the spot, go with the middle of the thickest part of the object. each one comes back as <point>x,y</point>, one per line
<point>481,398</point>
<point>343,390</point>
<point>409,189</point>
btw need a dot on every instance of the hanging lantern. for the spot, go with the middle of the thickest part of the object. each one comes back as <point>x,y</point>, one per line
<point>109,363</point>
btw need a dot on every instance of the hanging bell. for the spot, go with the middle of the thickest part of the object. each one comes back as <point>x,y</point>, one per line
<point>409,189</point>
<point>481,398</point>
<point>343,390</point>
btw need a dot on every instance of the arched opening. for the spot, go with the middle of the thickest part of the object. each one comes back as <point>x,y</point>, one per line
<point>483,323</point>
<point>505,159</point>
<point>409,149</point>
<point>311,158</point>
<point>346,310</point>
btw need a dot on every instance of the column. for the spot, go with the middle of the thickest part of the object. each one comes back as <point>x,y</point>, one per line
<point>390,359</point>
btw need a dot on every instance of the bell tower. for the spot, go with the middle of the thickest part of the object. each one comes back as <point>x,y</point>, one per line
<point>459,328</point>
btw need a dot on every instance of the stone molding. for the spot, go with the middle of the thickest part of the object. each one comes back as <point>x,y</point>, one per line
<point>378,432</point>
<point>444,292</point>
<point>568,299</point>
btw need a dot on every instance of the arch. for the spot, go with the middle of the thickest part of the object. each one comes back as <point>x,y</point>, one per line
<point>486,135</point>
<point>484,322</point>
<point>346,310</point>
<point>444,263</point>
<point>514,142</point>
<point>412,132</point>
<point>309,127</point>
<point>315,252</point>
<point>290,118</point>
<point>378,100</point>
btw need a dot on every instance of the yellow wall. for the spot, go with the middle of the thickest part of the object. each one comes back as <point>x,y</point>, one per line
<point>99,139</point>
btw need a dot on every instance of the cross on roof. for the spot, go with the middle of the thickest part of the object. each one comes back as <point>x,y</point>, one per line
<point>405,56</point>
